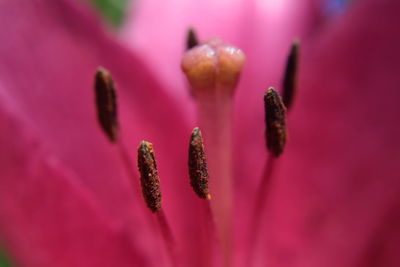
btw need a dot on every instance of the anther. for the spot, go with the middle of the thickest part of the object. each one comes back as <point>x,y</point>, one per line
<point>149,176</point>
<point>106,103</point>
<point>289,82</point>
<point>192,39</point>
<point>213,66</point>
<point>198,172</point>
<point>152,195</point>
<point>275,119</point>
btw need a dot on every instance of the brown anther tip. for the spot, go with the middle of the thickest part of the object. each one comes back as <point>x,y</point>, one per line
<point>289,82</point>
<point>191,40</point>
<point>198,172</point>
<point>106,103</point>
<point>275,119</point>
<point>149,176</point>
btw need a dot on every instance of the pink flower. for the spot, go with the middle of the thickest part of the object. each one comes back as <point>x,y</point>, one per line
<point>67,200</point>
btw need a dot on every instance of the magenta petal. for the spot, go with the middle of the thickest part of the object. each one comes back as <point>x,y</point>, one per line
<point>337,196</point>
<point>47,66</point>
<point>47,218</point>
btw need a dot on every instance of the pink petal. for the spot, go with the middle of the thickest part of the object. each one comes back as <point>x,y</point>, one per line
<point>336,198</point>
<point>48,59</point>
<point>47,218</point>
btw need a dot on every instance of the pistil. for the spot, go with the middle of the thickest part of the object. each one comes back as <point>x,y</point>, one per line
<point>213,71</point>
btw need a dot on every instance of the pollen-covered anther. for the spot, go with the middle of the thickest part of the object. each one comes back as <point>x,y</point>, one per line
<point>198,172</point>
<point>213,66</point>
<point>149,176</point>
<point>192,39</point>
<point>106,103</point>
<point>290,77</point>
<point>275,118</point>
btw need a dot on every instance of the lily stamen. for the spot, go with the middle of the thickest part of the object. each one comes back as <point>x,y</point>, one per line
<point>275,120</point>
<point>107,107</point>
<point>152,194</point>
<point>198,174</point>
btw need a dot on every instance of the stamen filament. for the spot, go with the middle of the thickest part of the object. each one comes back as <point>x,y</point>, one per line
<point>260,207</point>
<point>213,243</point>
<point>168,237</point>
<point>129,168</point>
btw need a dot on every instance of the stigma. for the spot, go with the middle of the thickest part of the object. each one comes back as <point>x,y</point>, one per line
<point>213,66</point>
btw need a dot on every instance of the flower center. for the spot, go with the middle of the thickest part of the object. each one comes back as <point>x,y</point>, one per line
<point>213,69</point>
